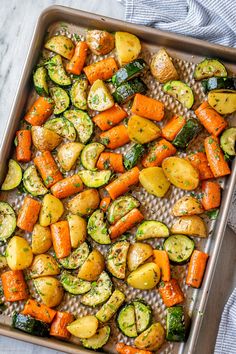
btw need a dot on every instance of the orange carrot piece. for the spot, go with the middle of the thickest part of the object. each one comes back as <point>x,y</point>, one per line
<point>162,260</point>
<point>28,214</point>
<point>122,348</point>
<point>67,187</point>
<point>76,63</point>
<point>48,169</point>
<point>23,140</point>
<point>103,70</point>
<point>104,204</point>
<point>39,311</point>
<point>171,293</point>
<point>112,161</point>
<point>148,107</point>
<point>122,184</point>
<point>213,122</point>
<point>126,223</point>
<point>59,324</point>
<point>200,162</point>
<point>14,286</point>
<point>215,157</point>
<point>173,127</point>
<point>196,268</point>
<point>61,238</point>
<point>112,116</point>
<point>211,195</point>
<point>158,152</point>
<point>115,137</point>
<point>40,111</point>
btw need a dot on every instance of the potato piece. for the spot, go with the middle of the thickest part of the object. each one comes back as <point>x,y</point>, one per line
<point>51,210</point>
<point>45,139</point>
<point>223,101</point>
<point>61,45</point>
<point>84,327</point>
<point>68,153</point>
<point>78,229</point>
<point>85,202</point>
<point>151,339</point>
<point>145,277</point>
<point>100,42</point>
<point>190,225</point>
<point>92,267</point>
<point>162,67</point>
<point>142,130</point>
<point>3,261</point>
<point>128,47</point>
<point>41,239</point>
<point>99,97</point>
<point>18,253</point>
<point>181,173</point>
<point>50,290</point>
<point>44,264</point>
<point>154,181</point>
<point>187,205</point>
<point>138,253</point>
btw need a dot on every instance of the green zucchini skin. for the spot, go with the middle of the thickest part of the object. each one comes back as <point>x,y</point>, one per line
<point>143,315</point>
<point>116,259</point>
<point>82,123</point>
<point>180,91</point>
<point>209,67</point>
<point>7,220</point>
<point>151,229</point>
<point>227,141</point>
<point>108,310</point>
<point>61,99</point>
<point>133,155</point>
<point>120,207</point>
<point>40,81</point>
<point>95,179</point>
<point>33,183</point>
<point>62,127</point>
<point>127,90</point>
<point>30,325</point>
<point>126,321</point>
<point>57,72</point>
<point>189,131</point>
<point>77,257</point>
<point>179,248</point>
<point>98,340</point>
<point>74,285</point>
<point>97,228</point>
<point>215,83</point>
<point>129,71</point>
<point>175,324</point>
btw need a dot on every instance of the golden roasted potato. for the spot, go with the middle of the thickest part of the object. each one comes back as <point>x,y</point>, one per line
<point>100,42</point>
<point>181,173</point>
<point>78,229</point>
<point>162,67</point>
<point>92,267</point>
<point>187,205</point>
<point>68,154</point>
<point>138,253</point>
<point>223,101</point>
<point>152,338</point>
<point>154,181</point>
<point>18,253</point>
<point>99,97</point>
<point>128,47</point>
<point>50,290</point>
<point>51,210</point>
<point>85,202</point>
<point>190,225</point>
<point>142,130</point>
<point>145,277</point>
<point>45,139</point>
<point>61,45</point>
<point>44,264</point>
<point>84,327</point>
<point>41,239</point>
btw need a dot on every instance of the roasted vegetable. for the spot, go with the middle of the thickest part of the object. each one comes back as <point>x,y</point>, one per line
<point>129,71</point>
<point>187,205</point>
<point>44,265</point>
<point>84,327</point>
<point>152,338</point>
<point>187,133</point>
<point>99,97</point>
<point>145,277</point>
<point>100,42</point>
<point>175,324</point>
<point>154,181</point>
<point>18,253</point>
<point>208,68</point>
<point>162,67</point>
<point>92,267</point>
<point>142,130</point>
<point>133,155</point>
<point>227,141</point>
<point>138,253</point>
<point>85,202</point>
<point>49,290</point>
<point>216,83</point>
<point>45,139</point>
<point>223,101</point>
<point>179,248</point>
<point>30,325</point>
<point>128,47</point>
<point>190,225</point>
<point>13,177</point>
<point>61,45</point>
<point>127,90</point>
<point>151,229</point>
<point>52,209</point>
<point>180,91</point>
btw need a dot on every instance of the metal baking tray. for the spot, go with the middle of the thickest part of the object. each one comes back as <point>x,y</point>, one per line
<point>186,52</point>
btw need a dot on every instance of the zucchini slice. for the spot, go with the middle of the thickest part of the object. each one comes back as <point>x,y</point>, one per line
<point>143,315</point>
<point>7,221</point>
<point>223,101</point>
<point>74,285</point>
<point>78,93</point>
<point>99,97</point>
<point>133,155</point>
<point>151,229</point>
<point>82,123</point>
<point>61,45</point>
<point>179,248</point>
<point>227,141</point>
<point>40,81</point>
<point>180,91</point>
<point>120,207</point>
<point>208,68</point>
<point>97,228</point>
<point>62,127</point>
<point>76,258</point>
<point>13,177</point>
<point>95,179</point>
<point>129,71</point>
<point>90,155</point>
<point>108,310</point>
<point>61,99</point>
<point>30,325</point>
<point>33,183</point>
<point>175,324</point>
<point>98,340</point>
<point>100,292</point>
<point>127,90</point>
<point>216,83</point>
<point>57,72</point>
<point>126,321</point>
<point>116,259</point>
<point>189,131</point>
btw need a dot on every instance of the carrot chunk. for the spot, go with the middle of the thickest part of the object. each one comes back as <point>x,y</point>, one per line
<point>171,293</point>
<point>148,107</point>
<point>115,137</point>
<point>39,311</point>
<point>14,286</point>
<point>101,70</point>
<point>24,140</point>
<point>76,63</point>
<point>211,195</point>
<point>59,324</point>
<point>112,161</point>
<point>112,116</point>
<point>196,268</point>
<point>48,169</point>
<point>173,127</point>
<point>215,157</point>
<point>28,214</point>
<point>40,111</point>
<point>67,187</point>
<point>158,152</point>
<point>104,204</point>
<point>126,223</point>
<point>200,162</point>
<point>162,260</point>
<point>210,119</point>
<point>61,238</point>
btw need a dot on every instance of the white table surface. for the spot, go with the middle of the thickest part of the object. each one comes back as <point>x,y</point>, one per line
<point>17,22</point>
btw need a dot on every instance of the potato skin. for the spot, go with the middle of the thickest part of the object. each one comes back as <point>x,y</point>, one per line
<point>45,139</point>
<point>84,327</point>
<point>44,265</point>
<point>145,277</point>
<point>142,130</point>
<point>41,239</point>
<point>92,267</point>
<point>190,225</point>
<point>128,47</point>
<point>18,253</point>
<point>50,290</point>
<point>78,229</point>
<point>151,339</point>
<point>100,42</point>
<point>52,209</point>
<point>162,67</point>
<point>138,253</point>
<point>85,202</point>
<point>68,153</point>
<point>154,181</point>
<point>187,205</point>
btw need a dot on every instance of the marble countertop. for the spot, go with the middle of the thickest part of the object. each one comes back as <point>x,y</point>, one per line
<point>17,23</point>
